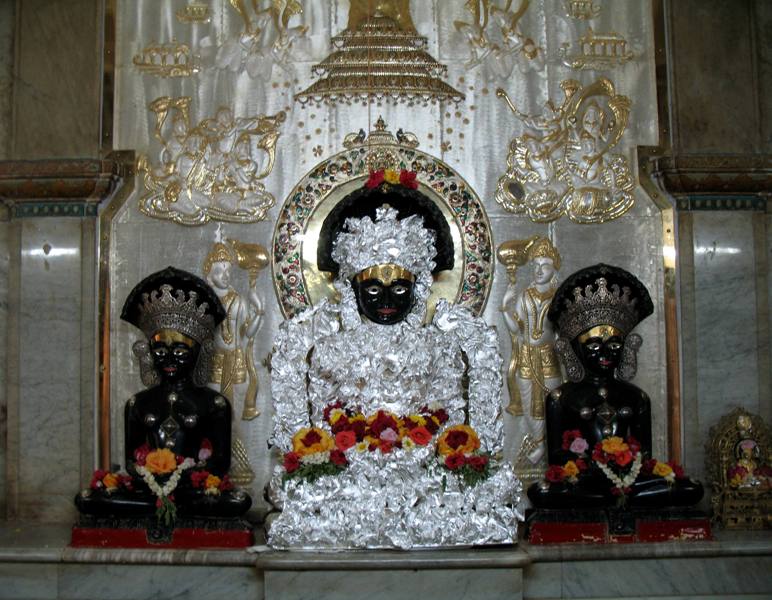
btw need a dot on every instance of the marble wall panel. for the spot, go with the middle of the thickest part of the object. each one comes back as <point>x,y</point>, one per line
<point>6,238</point>
<point>491,584</point>
<point>725,342</point>
<point>762,21</point>
<point>148,582</point>
<point>28,581</point>
<point>714,77</point>
<point>676,577</point>
<point>49,432</point>
<point>7,20</point>
<point>57,90</point>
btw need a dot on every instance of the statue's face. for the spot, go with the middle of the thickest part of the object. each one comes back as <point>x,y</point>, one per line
<point>173,359</point>
<point>543,270</point>
<point>600,349</point>
<point>382,303</point>
<point>220,275</point>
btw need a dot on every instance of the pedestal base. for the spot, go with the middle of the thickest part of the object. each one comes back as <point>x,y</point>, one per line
<point>615,526</point>
<point>147,533</point>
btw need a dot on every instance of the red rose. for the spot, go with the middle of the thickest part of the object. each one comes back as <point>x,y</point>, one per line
<point>678,470</point>
<point>342,424</point>
<point>291,462</point>
<point>456,438</point>
<point>420,435</point>
<point>358,427</point>
<point>555,474</point>
<point>383,421</point>
<point>615,491</point>
<point>455,461</point>
<point>623,458</point>
<point>385,446</point>
<point>570,436</point>
<point>408,179</point>
<point>225,483</point>
<point>648,466</point>
<point>126,482</point>
<point>635,445</point>
<point>338,458</point>
<point>581,464</point>
<point>477,462</point>
<point>598,455</point>
<point>345,439</point>
<point>311,438</point>
<point>376,178</point>
<point>197,478</point>
<point>140,454</point>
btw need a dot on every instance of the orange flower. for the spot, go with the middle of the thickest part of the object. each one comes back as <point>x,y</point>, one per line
<point>614,445</point>
<point>311,440</point>
<point>570,469</point>
<point>110,482</point>
<point>662,469</point>
<point>160,462</point>
<point>213,481</point>
<point>458,438</point>
<point>391,176</point>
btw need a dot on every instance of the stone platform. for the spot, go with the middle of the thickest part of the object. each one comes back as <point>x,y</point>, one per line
<point>37,564</point>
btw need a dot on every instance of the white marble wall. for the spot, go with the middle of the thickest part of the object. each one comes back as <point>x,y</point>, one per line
<point>725,337</point>
<point>45,422</point>
<point>4,266</point>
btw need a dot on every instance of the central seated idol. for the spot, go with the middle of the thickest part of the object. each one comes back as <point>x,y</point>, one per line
<point>389,428</point>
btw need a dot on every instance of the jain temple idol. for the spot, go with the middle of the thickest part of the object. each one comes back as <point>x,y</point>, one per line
<point>389,426</point>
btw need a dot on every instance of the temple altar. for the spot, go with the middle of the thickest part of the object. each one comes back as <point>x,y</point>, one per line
<point>548,137</point>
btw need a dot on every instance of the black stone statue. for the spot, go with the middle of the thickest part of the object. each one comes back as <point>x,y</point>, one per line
<point>177,425</point>
<point>594,311</point>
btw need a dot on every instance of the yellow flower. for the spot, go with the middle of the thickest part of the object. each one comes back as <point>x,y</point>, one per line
<point>311,440</point>
<point>335,415</point>
<point>613,445</point>
<point>160,462</point>
<point>362,446</point>
<point>391,176</point>
<point>421,421</point>
<point>212,481</point>
<point>359,417</point>
<point>458,438</point>
<point>662,469</point>
<point>408,444</point>
<point>110,482</point>
<point>735,481</point>
<point>570,469</point>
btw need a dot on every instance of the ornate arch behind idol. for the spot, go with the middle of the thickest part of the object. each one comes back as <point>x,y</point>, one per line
<point>298,282</point>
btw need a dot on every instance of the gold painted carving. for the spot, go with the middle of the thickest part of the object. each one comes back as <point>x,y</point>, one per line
<point>361,11</point>
<point>234,360</point>
<point>267,38</point>
<point>738,460</point>
<point>210,171</point>
<point>166,60</point>
<point>597,51</point>
<point>502,46</point>
<point>562,164</point>
<point>582,9</point>
<point>379,57</point>
<point>195,12</point>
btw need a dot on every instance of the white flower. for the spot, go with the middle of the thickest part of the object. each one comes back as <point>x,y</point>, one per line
<point>317,458</point>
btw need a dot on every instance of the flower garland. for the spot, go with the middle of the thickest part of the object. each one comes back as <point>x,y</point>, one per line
<point>162,462</point>
<point>621,461</point>
<point>404,178</point>
<point>459,445</point>
<point>317,452</point>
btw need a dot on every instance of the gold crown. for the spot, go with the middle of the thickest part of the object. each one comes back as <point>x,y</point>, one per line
<point>543,248</point>
<point>166,60</point>
<point>177,310</point>
<point>195,12</point>
<point>219,253</point>
<point>582,9</point>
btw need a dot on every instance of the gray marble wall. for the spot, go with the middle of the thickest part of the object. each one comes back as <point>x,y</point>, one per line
<point>7,15</point>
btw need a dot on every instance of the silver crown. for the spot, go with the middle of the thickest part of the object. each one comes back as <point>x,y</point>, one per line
<point>601,306</point>
<point>167,308</point>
